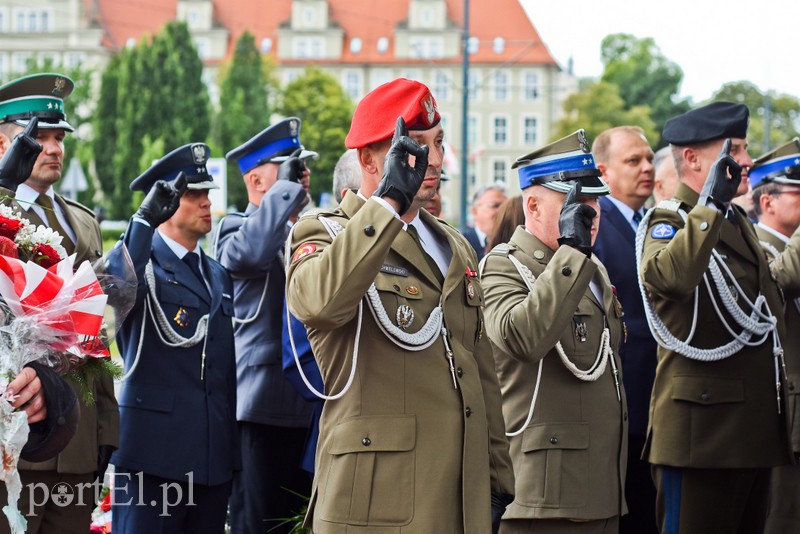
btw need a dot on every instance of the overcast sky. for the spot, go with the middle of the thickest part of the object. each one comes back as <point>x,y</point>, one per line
<point>713,42</point>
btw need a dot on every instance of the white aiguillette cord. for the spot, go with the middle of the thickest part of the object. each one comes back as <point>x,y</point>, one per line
<point>418,341</point>
<point>604,353</point>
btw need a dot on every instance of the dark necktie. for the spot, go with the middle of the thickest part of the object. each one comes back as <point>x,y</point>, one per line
<point>193,261</point>
<point>637,218</point>
<point>431,262</point>
<point>52,221</point>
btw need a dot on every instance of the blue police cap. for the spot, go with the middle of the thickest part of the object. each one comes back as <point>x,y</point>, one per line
<point>557,165</point>
<point>780,166</point>
<point>273,145</point>
<point>37,95</point>
<point>717,120</point>
<point>189,159</point>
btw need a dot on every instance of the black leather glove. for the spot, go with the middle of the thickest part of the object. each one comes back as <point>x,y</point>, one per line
<point>718,187</point>
<point>292,168</point>
<point>18,161</point>
<point>401,182</point>
<point>162,201</point>
<point>499,503</point>
<point>49,437</point>
<point>104,453</point>
<point>575,222</point>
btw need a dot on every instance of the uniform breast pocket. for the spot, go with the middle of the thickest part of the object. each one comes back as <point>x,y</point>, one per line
<point>401,298</point>
<point>370,479</point>
<point>581,339</point>
<point>473,329</point>
<point>181,307</point>
<point>554,470</point>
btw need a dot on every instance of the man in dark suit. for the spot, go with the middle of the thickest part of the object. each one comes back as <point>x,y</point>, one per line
<point>625,158</point>
<point>274,419</point>
<point>86,456</point>
<point>179,445</point>
<point>485,203</point>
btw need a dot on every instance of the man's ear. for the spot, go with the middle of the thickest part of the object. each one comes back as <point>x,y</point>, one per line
<point>5,143</point>
<point>367,160</point>
<point>691,158</point>
<point>602,168</point>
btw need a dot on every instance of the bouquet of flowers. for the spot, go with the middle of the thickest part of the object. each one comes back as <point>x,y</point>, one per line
<point>50,313</point>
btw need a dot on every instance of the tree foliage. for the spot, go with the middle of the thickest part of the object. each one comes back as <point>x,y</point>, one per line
<point>155,91</point>
<point>784,114</point>
<point>644,76</point>
<point>599,106</point>
<point>321,103</point>
<point>246,86</point>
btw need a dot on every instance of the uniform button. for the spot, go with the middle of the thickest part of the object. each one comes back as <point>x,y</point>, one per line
<point>138,399</point>
<point>538,254</point>
<point>553,440</point>
<point>468,411</point>
<point>61,421</point>
<point>705,396</point>
<point>366,442</point>
<point>704,226</point>
<point>285,195</point>
<point>369,230</point>
<point>460,372</point>
<point>396,287</point>
<point>566,271</point>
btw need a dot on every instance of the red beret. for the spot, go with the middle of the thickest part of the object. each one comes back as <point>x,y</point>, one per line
<point>375,116</point>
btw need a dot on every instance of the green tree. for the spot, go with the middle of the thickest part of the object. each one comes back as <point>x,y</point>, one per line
<point>599,106</point>
<point>244,110</point>
<point>105,127</point>
<point>321,103</point>
<point>784,114</point>
<point>644,76</point>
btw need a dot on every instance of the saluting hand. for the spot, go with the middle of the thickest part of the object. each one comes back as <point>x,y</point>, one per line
<point>162,201</point>
<point>19,159</point>
<point>400,181</point>
<point>575,222</point>
<point>719,187</point>
<point>293,168</point>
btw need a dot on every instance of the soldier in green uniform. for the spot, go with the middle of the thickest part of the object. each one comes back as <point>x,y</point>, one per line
<point>556,324</point>
<point>775,178</point>
<point>411,437</point>
<point>717,411</point>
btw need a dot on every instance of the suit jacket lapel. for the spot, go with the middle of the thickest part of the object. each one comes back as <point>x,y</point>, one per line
<point>213,275</point>
<point>610,214</point>
<point>183,274</point>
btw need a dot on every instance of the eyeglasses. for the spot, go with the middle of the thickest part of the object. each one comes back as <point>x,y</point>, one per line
<point>786,192</point>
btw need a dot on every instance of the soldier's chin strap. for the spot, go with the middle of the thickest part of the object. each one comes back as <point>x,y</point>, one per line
<point>421,340</point>
<point>165,332</point>
<point>604,353</point>
<point>759,324</point>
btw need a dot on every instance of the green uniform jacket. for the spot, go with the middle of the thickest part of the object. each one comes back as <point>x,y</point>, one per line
<point>721,414</point>
<point>570,461</point>
<point>99,423</point>
<point>402,451</point>
<point>786,271</point>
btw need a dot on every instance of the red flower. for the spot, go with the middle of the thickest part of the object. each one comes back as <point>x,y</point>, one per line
<point>9,227</point>
<point>45,255</point>
<point>8,247</point>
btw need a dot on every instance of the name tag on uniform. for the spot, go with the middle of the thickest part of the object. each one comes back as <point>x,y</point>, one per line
<point>393,269</point>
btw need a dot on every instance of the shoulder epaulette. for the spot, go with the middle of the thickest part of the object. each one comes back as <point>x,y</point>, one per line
<point>76,204</point>
<point>669,205</point>
<point>503,249</point>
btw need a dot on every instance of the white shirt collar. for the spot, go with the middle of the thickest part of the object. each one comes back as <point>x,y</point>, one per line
<point>27,196</point>
<point>177,248</point>
<point>624,209</point>
<point>772,231</point>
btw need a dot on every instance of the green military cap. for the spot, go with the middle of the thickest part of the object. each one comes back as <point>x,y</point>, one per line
<point>37,95</point>
<point>780,166</point>
<point>559,164</point>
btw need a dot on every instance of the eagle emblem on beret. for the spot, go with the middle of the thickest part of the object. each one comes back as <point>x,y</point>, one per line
<point>583,141</point>
<point>199,154</point>
<point>430,108</point>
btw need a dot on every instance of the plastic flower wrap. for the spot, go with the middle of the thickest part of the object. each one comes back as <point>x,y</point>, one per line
<point>52,313</point>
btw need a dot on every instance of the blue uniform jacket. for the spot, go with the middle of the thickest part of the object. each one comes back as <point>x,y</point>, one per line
<point>614,247</point>
<point>172,421</point>
<point>250,247</point>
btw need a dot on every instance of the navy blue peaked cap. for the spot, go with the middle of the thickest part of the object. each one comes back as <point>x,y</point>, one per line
<point>189,159</point>
<point>272,145</point>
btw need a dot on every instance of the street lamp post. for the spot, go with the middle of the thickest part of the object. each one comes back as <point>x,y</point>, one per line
<point>464,117</point>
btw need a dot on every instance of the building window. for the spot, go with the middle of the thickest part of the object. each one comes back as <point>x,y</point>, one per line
<point>20,21</point>
<point>21,61</point>
<point>382,45</point>
<point>44,21</point>
<point>441,86</point>
<point>73,60</point>
<point>499,167</point>
<point>426,47</point>
<point>352,85</point>
<point>530,85</point>
<point>474,85</point>
<point>499,45</point>
<point>309,17</point>
<point>500,130</point>
<point>3,65</point>
<point>472,45</point>
<point>530,129</point>
<point>2,20</point>
<point>501,85</point>
<point>355,45</point>
<point>426,17</point>
<point>316,48</point>
<point>473,130</point>
<point>472,176</point>
<point>203,46</point>
<point>413,74</point>
<point>32,21</point>
<point>266,45</point>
